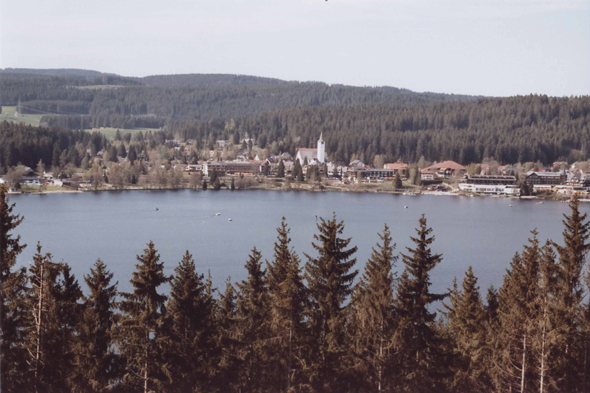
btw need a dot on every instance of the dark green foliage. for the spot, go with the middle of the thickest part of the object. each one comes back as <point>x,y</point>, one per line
<point>281,170</point>
<point>422,364</point>
<point>52,297</point>
<point>397,182</point>
<point>191,318</point>
<point>233,184</point>
<point>468,330</point>
<point>204,185</point>
<point>287,305</point>
<point>372,321</point>
<point>569,295</point>
<point>519,315</point>
<point>329,278</point>
<point>297,172</point>
<point>97,363</point>
<point>12,286</point>
<point>252,314</point>
<point>141,337</point>
<point>132,155</point>
<point>228,361</point>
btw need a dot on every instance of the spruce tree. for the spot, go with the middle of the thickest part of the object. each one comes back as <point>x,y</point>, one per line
<point>252,325</point>
<point>68,294</point>
<point>227,360</point>
<point>51,326</point>
<point>418,346</point>
<point>141,335</point>
<point>397,182</point>
<point>281,170</point>
<point>572,260</point>
<point>190,311</point>
<point>519,300</point>
<point>12,286</point>
<point>467,329</point>
<point>373,321</point>
<point>97,362</point>
<point>132,154</point>
<point>287,302</point>
<point>329,277</point>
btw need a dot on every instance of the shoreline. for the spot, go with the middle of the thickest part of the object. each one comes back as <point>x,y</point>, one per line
<point>314,188</point>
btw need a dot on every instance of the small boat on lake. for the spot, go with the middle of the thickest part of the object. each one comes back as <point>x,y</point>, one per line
<point>217,214</point>
<point>156,209</point>
<point>229,219</point>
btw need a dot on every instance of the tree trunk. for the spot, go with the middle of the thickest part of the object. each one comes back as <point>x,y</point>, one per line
<point>289,360</point>
<point>38,322</point>
<point>541,385</point>
<point>145,370</point>
<point>522,384</point>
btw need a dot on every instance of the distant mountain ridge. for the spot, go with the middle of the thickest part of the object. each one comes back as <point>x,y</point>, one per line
<point>109,100</point>
<point>71,72</point>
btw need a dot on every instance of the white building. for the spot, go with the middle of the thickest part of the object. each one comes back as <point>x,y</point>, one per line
<point>318,154</point>
<point>491,189</point>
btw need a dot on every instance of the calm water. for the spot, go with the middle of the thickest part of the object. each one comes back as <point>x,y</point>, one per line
<point>116,226</point>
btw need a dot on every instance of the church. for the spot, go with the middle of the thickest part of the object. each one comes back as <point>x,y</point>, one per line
<point>314,156</point>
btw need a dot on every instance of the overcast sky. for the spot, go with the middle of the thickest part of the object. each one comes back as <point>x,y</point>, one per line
<point>484,47</point>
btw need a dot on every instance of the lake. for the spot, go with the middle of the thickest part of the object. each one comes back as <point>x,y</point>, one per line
<point>116,226</point>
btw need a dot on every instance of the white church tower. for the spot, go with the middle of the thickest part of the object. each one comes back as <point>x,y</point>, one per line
<point>321,150</point>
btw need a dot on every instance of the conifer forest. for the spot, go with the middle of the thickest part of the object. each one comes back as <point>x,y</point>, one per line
<point>299,322</point>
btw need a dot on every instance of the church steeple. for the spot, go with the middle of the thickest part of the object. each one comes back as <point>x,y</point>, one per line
<point>321,149</point>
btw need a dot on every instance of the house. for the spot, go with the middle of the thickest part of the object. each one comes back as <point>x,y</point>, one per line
<point>427,175</point>
<point>399,166</point>
<point>230,168</point>
<point>490,179</point>
<point>378,174</point>
<point>545,178</point>
<point>194,168</point>
<point>446,169</point>
<point>310,155</point>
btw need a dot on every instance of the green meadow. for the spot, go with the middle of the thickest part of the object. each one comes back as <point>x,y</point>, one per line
<point>9,114</point>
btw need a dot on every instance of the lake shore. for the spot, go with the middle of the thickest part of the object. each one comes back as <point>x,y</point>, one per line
<point>361,188</point>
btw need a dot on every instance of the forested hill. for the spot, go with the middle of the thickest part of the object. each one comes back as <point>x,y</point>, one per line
<point>208,80</point>
<point>123,102</point>
<point>67,72</point>
<point>511,130</point>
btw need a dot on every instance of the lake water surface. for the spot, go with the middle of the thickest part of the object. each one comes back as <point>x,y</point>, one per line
<point>116,226</point>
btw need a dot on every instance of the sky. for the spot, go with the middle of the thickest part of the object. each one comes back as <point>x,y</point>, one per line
<point>478,47</point>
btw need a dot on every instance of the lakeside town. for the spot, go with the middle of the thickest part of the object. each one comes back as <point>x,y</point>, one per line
<point>242,165</point>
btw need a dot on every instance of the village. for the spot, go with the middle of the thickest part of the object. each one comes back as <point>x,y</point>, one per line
<point>309,170</point>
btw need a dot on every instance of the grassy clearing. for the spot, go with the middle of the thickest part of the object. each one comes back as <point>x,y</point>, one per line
<point>110,132</point>
<point>9,114</point>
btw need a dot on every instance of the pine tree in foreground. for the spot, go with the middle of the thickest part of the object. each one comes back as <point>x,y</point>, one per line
<point>421,359</point>
<point>519,320</point>
<point>190,312</point>
<point>572,261</point>
<point>287,302</point>
<point>467,329</point>
<point>372,320</point>
<point>97,363</point>
<point>52,299</point>
<point>329,278</point>
<point>252,325</point>
<point>141,336</point>
<point>12,312</point>
<point>227,360</point>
